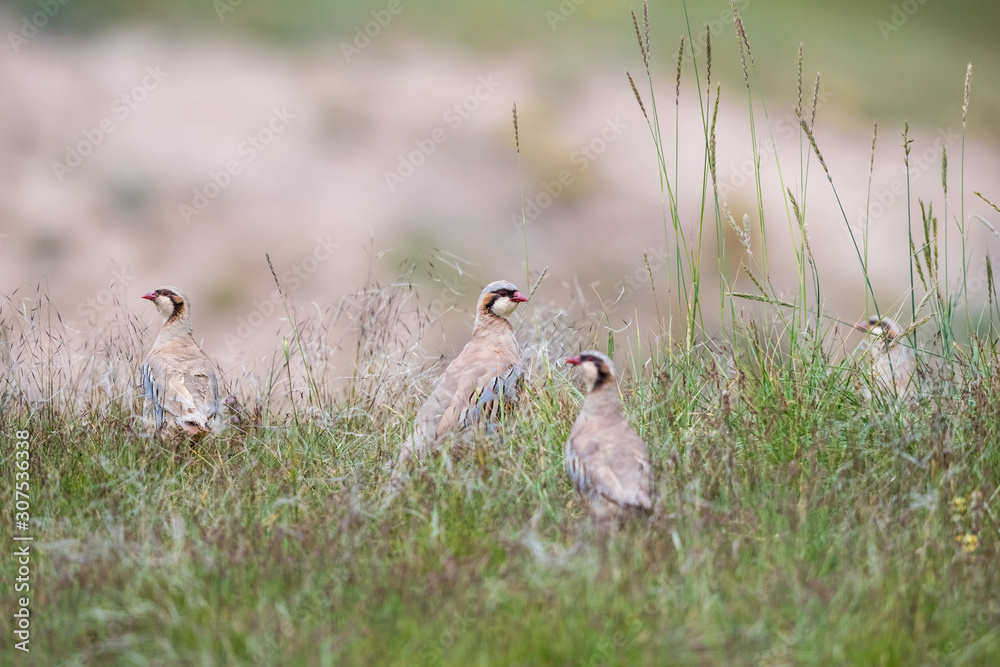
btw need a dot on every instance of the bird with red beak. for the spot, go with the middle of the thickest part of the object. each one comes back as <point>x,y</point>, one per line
<point>179,382</point>
<point>606,460</point>
<point>479,382</point>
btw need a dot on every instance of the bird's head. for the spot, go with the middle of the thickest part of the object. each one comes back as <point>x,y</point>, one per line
<point>169,301</point>
<point>881,327</point>
<point>500,298</point>
<point>597,368</point>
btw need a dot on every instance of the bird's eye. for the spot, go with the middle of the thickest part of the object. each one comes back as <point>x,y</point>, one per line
<point>502,292</point>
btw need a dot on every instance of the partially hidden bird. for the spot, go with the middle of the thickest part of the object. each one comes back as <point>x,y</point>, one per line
<point>892,363</point>
<point>606,460</point>
<point>179,383</point>
<point>476,385</point>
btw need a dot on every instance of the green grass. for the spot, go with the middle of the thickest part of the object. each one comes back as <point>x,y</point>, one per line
<point>801,526</point>
<point>794,521</point>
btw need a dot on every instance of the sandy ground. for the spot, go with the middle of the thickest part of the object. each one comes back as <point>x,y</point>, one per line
<point>131,161</point>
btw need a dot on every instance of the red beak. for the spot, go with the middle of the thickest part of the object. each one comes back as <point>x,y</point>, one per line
<point>151,296</point>
<point>862,325</point>
<point>574,361</point>
<point>518,298</point>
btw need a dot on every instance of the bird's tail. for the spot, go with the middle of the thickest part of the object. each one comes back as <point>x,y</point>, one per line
<point>194,421</point>
<point>640,499</point>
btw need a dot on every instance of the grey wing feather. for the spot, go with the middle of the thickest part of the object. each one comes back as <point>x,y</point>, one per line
<point>153,397</point>
<point>501,389</point>
<point>212,406</point>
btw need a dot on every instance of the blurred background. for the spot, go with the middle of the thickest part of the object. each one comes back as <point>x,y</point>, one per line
<point>151,144</point>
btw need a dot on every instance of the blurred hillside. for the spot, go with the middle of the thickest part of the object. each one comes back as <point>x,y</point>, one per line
<point>890,54</point>
<point>176,143</point>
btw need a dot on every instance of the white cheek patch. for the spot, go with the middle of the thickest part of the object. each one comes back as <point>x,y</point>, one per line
<point>590,373</point>
<point>504,307</point>
<point>165,305</point>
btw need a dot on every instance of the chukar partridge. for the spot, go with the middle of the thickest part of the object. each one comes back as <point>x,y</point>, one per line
<point>482,376</point>
<point>605,459</point>
<point>893,364</point>
<point>179,383</point>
